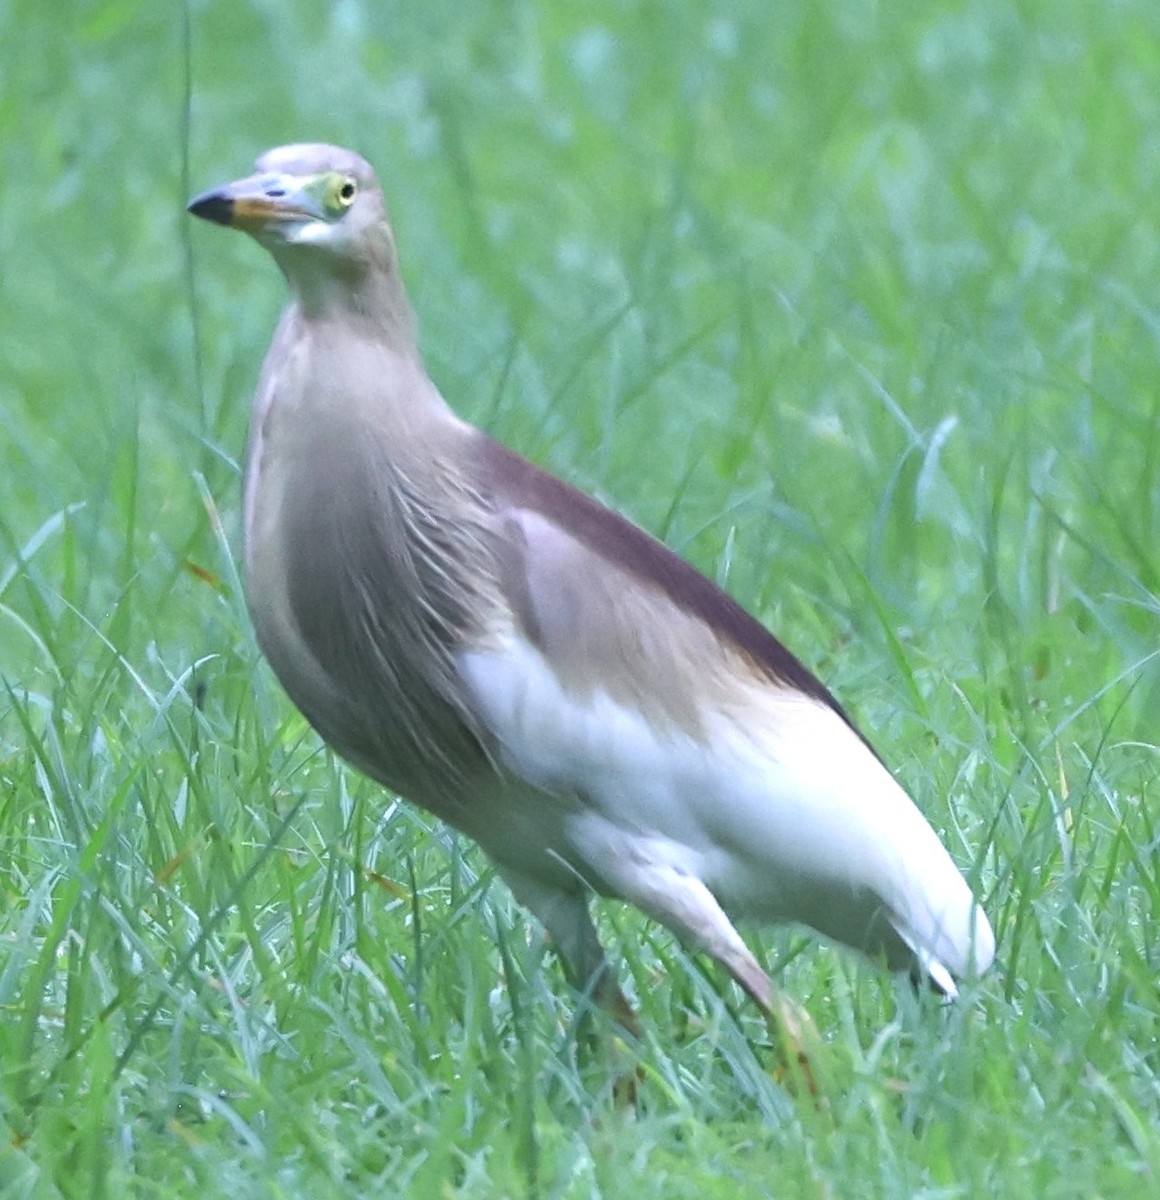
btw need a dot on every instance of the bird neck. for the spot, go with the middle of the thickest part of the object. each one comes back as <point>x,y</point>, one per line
<point>366,295</point>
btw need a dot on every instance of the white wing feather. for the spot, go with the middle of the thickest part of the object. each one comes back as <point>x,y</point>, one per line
<point>781,811</point>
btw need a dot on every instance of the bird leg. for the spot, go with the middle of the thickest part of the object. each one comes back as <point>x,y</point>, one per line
<point>789,1024</point>
<point>684,904</point>
<point>565,916</point>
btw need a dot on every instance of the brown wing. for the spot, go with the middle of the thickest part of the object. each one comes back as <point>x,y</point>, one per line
<point>523,485</point>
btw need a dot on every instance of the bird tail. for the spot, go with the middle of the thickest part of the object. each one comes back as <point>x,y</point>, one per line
<point>957,943</point>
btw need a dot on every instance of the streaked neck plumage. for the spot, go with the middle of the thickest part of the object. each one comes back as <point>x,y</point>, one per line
<point>361,526</point>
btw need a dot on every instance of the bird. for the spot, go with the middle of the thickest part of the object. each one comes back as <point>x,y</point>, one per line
<point>501,649</point>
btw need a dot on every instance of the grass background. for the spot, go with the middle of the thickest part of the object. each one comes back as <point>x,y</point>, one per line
<point>856,306</point>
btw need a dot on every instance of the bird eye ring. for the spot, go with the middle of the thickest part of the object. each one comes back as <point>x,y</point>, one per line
<point>346,192</point>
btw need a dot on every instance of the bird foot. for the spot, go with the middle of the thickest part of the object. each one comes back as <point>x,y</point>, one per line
<point>796,1038</point>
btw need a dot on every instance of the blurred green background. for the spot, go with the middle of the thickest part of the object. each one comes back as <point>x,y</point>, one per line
<point>854,304</point>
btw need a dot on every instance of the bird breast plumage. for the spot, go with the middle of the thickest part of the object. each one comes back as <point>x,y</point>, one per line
<point>360,592</point>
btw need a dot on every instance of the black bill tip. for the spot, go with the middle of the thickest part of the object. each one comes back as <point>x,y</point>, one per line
<point>213,206</point>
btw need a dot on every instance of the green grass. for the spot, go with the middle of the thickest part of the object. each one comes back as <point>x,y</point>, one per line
<point>855,305</point>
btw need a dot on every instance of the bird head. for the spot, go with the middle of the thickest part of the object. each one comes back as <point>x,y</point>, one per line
<point>302,195</point>
<point>319,211</point>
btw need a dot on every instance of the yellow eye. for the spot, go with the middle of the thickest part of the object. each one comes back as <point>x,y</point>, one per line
<point>345,193</point>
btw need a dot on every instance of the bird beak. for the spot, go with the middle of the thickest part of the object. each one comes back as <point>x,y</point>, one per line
<point>259,201</point>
